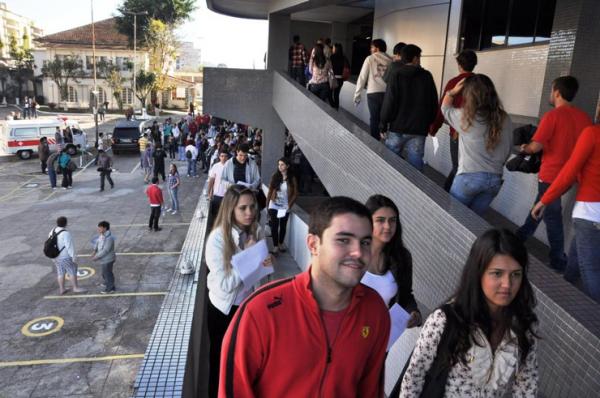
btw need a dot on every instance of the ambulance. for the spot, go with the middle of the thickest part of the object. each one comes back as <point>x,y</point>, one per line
<point>22,137</point>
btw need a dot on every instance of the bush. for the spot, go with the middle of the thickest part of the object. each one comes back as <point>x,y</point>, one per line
<point>52,105</point>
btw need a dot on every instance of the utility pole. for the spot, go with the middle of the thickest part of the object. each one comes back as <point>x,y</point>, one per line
<point>135,14</point>
<point>95,107</point>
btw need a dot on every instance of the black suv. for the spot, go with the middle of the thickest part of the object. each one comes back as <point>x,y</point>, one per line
<point>125,136</point>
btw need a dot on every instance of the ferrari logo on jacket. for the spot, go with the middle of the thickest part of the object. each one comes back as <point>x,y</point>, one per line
<point>365,331</point>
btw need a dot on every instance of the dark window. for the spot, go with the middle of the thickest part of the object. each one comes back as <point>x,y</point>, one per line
<point>500,23</point>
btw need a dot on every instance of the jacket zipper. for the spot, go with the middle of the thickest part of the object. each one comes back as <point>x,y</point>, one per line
<point>329,349</point>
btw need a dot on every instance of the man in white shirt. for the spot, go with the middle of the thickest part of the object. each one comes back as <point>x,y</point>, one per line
<point>65,262</point>
<point>216,190</point>
<point>191,153</point>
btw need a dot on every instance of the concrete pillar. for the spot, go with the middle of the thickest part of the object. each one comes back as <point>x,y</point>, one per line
<point>279,42</point>
<point>574,51</point>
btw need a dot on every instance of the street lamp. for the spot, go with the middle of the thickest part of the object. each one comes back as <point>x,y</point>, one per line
<point>135,14</point>
<point>95,91</point>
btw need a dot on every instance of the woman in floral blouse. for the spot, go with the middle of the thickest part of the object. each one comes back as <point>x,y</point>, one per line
<point>488,347</point>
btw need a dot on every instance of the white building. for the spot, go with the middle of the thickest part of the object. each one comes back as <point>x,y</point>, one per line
<point>188,57</point>
<point>21,28</point>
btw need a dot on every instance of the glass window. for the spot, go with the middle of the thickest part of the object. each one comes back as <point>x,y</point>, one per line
<point>25,132</point>
<point>471,24</point>
<point>127,96</point>
<point>495,24</point>
<point>47,131</point>
<point>522,22</point>
<point>545,20</point>
<point>89,62</point>
<point>72,94</point>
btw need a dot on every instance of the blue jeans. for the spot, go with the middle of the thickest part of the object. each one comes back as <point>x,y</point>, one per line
<point>52,176</point>
<point>554,227</point>
<point>476,190</point>
<point>414,145</point>
<point>191,170</point>
<point>375,102</point>
<point>584,257</point>
<point>181,152</point>
<point>108,276</point>
<point>174,199</point>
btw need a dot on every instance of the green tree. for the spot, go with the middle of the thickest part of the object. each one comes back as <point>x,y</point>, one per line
<point>144,84</point>
<point>114,78</point>
<point>23,61</point>
<point>61,70</point>
<point>162,45</point>
<point>171,12</point>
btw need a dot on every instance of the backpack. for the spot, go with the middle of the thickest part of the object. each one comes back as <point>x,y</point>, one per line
<point>51,249</point>
<point>188,154</point>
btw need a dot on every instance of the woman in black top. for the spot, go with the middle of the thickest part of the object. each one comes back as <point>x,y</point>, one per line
<point>338,61</point>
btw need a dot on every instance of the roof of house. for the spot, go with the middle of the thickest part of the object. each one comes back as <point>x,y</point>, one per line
<point>107,36</point>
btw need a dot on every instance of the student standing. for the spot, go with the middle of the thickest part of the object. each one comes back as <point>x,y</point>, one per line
<point>173,182</point>
<point>105,169</point>
<point>158,157</point>
<point>44,153</point>
<point>155,197</point>
<point>65,262</point>
<point>104,253</point>
<point>283,191</point>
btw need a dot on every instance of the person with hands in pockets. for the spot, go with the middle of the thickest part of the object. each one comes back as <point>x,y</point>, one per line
<point>236,229</point>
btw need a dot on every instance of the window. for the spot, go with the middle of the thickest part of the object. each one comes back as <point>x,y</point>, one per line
<point>89,62</point>
<point>72,94</point>
<point>101,96</point>
<point>500,23</point>
<point>47,131</point>
<point>25,132</point>
<point>127,96</point>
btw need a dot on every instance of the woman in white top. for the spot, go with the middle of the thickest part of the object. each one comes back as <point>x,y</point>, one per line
<point>390,271</point>
<point>283,191</point>
<point>481,343</point>
<point>236,228</point>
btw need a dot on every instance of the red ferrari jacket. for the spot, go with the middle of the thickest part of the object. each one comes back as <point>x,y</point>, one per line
<point>276,345</point>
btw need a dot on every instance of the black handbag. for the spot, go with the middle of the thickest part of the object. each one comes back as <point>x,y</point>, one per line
<point>437,375</point>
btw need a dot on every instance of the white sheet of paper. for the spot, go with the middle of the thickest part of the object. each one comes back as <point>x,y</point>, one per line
<point>248,263</point>
<point>399,318</point>
<point>281,213</point>
<point>436,144</point>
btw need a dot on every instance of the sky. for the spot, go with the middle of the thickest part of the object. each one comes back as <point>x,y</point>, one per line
<point>237,43</point>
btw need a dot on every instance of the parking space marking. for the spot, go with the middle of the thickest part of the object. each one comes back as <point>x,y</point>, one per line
<point>59,361</point>
<point>84,167</point>
<point>15,189</point>
<point>138,254</point>
<point>146,225</point>
<point>137,166</point>
<point>127,294</point>
<point>43,326</point>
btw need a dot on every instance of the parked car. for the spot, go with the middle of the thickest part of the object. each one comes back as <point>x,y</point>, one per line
<point>126,134</point>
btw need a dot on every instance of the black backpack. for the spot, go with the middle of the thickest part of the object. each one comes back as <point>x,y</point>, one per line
<point>51,249</point>
<point>188,154</point>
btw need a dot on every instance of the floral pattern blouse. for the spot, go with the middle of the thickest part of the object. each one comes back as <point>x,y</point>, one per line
<point>487,375</point>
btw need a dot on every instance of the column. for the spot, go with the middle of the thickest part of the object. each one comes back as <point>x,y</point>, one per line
<point>279,42</point>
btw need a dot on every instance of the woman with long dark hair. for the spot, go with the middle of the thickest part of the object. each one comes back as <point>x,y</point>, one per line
<point>482,342</point>
<point>236,228</point>
<point>390,271</point>
<point>283,191</point>
<point>485,140</point>
<point>319,67</point>
<point>338,61</point>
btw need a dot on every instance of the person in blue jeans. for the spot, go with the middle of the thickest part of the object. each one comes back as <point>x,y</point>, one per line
<point>485,141</point>
<point>173,182</point>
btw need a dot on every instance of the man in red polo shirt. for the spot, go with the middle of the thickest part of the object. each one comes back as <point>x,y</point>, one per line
<point>556,136</point>
<point>466,60</point>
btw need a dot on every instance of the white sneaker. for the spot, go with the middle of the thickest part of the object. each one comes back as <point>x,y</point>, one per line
<point>174,212</point>
<point>169,209</point>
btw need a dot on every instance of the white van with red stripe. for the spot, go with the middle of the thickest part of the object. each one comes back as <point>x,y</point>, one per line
<point>22,137</point>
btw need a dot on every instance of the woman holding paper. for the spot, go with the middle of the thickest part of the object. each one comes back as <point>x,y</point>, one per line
<point>390,271</point>
<point>236,229</point>
<point>283,191</point>
<point>482,342</point>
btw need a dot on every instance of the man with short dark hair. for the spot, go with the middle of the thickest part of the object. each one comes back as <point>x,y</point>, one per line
<point>297,60</point>
<point>556,136</point>
<point>241,170</point>
<point>396,60</point>
<point>321,333</point>
<point>466,60</point>
<point>104,253</point>
<point>371,75</point>
<point>409,106</point>
<point>65,261</point>
<point>155,197</point>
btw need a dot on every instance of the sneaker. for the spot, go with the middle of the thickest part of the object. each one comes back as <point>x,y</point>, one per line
<point>69,187</point>
<point>63,188</point>
<point>169,209</point>
<point>158,229</point>
<point>282,248</point>
<point>104,291</point>
<point>174,212</point>
<point>275,250</point>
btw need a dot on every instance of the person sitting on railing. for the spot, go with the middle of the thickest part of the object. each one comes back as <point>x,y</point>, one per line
<point>236,228</point>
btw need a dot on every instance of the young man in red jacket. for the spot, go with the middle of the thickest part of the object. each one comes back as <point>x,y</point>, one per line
<point>319,334</point>
<point>155,197</point>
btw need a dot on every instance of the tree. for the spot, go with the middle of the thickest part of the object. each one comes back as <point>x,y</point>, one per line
<point>162,46</point>
<point>171,12</point>
<point>114,78</point>
<point>23,61</point>
<point>61,70</point>
<point>144,84</point>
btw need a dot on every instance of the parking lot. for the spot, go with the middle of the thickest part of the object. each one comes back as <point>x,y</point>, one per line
<point>81,345</point>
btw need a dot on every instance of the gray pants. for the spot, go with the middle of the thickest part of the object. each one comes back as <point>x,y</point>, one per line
<point>109,277</point>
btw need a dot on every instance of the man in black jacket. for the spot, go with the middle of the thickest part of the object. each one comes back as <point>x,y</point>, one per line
<point>409,106</point>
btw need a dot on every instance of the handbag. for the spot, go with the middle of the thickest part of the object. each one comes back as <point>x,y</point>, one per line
<point>71,166</point>
<point>437,375</point>
<point>333,83</point>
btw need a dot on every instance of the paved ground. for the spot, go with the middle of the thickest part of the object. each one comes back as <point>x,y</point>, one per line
<point>97,351</point>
